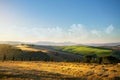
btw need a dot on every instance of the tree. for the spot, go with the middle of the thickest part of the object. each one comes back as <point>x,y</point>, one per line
<point>110,60</point>
<point>4,57</point>
<point>13,58</point>
<point>88,58</point>
<point>51,58</point>
<point>30,58</point>
<point>22,59</point>
<point>99,60</point>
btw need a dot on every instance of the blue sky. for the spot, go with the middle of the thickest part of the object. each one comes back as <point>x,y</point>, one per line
<point>80,21</point>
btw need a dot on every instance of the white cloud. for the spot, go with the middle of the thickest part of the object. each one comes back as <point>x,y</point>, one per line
<point>97,33</point>
<point>109,29</point>
<point>75,33</point>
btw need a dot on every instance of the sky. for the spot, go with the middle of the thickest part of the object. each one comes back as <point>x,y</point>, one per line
<point>78,21</point>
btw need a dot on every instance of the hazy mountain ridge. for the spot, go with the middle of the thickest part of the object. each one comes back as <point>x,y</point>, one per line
<point>48,43</point>
<point>106,44</point>
<point>54,43</point>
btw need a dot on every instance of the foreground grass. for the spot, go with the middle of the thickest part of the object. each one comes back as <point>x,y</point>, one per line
<point>38,70</point>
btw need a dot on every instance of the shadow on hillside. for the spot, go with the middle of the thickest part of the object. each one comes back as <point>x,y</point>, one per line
<point>6,73</point>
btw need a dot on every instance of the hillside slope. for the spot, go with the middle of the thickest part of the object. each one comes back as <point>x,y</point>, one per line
<point>58,55</point>
<point>10,52</point>
<point>85,50</point>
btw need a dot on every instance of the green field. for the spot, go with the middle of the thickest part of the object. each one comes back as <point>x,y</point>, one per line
<point>85,50</point>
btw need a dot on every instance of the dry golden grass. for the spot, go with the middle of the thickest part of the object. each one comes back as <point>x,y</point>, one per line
<point>59,70</point>
<point>28,48</point>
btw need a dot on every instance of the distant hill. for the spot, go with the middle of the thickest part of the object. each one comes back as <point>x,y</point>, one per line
<point>24,52</point>
<point>47,43</point>
<point>54,43</point>
<point>106,44</point>
<point>85,50</point>
<point>9,52</point>
<point>39,43</point>
<point>10,42</point>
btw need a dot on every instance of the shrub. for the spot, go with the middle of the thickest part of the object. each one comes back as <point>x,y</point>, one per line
<point>90,58</point>
<point>4,57</point>
<point>13,58</point>
<point>110,60</point>
<point>99,60</point>
<point>87,58</point>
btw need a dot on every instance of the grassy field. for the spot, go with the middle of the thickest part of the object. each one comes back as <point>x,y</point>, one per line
<point>85,50</point>
<point>29,69</point>
<point>18,70</point>
<point>28,48</point>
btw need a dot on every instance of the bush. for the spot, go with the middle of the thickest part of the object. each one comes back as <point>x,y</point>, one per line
<point>99,60</point>
<point>110,60</point>
<point>90,58</point>
<point>35,56</point>
<point>87,58</point>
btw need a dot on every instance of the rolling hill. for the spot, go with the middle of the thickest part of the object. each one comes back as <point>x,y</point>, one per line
<point>85,50</point>
<point>25,52</point>
<point>10,52</point>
